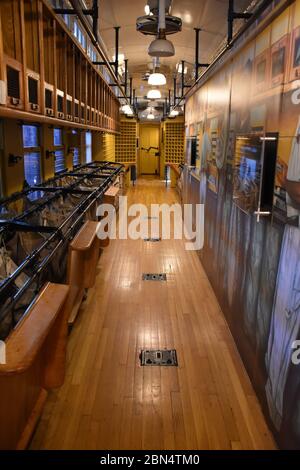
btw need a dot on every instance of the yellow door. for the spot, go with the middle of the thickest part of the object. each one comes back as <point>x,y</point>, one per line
<point>149,149</point>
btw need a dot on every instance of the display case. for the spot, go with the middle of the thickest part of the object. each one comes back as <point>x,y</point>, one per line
<point>254,172</point>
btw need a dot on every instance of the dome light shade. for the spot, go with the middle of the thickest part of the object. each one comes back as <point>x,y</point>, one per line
<point>151,117</point>
<point>174,113</point>
<point>126,109</point>
<point>154,94</point>
<point>161,48</point>
<point>157,79</point>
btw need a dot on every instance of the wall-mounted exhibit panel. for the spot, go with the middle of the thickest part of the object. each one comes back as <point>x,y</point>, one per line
<point>246,117</point>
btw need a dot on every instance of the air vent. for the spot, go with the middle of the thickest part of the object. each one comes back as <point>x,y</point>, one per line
<point>32,90</point>
<point>154,277</point>
<point>48,98</point>
<point>13,83</point>
<point>159,357</point>
<point>60,104</point>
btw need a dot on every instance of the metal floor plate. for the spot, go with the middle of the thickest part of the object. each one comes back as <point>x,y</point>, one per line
<point>154,277</point>
<point>159,357</point>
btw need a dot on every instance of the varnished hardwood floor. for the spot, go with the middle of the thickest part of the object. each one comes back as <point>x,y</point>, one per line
<point>109,401</point>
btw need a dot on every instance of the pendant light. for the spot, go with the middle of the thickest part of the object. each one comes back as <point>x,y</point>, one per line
<point>161,47</point>
<point>154,94</point>
<point>157,79</point>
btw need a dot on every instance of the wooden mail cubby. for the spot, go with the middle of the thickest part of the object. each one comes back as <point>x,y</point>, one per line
<point>47,74</point>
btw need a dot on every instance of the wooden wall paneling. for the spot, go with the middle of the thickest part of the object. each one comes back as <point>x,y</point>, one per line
<point>101,103</point>
<point>93,101</point>
<point>84,90</point>
<point>2,68</point>
<point>70,79</point>
<point>32,50</point>
<point>61,75</point>
<point>41,55</point>
<point>77,79</point>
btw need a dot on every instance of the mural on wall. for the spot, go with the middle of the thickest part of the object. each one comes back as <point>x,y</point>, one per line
<point>254,265</point>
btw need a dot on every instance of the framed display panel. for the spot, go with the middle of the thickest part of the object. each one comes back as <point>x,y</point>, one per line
<point>279,53</point>
<point>295,57</point>
<point>254,171</point>
<point>262,72</point>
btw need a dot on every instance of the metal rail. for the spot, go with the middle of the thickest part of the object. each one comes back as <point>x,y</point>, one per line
<point>57,236</point>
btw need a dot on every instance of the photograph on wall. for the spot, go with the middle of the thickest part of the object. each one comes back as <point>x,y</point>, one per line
<point>247,172</point>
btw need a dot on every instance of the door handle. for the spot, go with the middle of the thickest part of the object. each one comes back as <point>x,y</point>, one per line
<point>260,214</point>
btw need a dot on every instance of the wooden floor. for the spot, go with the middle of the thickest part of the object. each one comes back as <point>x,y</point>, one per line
<point>109,401</point>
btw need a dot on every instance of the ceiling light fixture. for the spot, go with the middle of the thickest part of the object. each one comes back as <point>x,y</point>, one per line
<point>147,9</point>
<point>157,79</point>
<point>126,109</point>
<point>154,94</point>
<point>161,47</point>
<point>151,117</point>
<point>174,113</point>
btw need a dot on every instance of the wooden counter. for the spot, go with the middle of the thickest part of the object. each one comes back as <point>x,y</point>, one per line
<point>35,363</point>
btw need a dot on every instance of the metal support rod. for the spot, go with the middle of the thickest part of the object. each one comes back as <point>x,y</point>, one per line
<point>197,53</point>
<point>169,98</point>
<point>126,76</point>
<point>130,96</point>
<point>232,15</point>
<point>133,96</point>
<point>175,86</point>
<point>117,34</point>
<point>182,77</point>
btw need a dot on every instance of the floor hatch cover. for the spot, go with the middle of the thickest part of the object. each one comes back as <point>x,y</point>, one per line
<point>159,357</point>
<point>154,277</point>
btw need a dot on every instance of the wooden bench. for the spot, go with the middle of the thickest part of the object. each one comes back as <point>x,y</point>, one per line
<point>82,265</point>
<point>35,363</point>
<point>111,196</point>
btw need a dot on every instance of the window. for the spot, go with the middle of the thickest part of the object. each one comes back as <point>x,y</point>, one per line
<point>59,161</point>
<point>32,157</point>
<point>30,136</point>
<point>79,35</point>
<point>88,147</point>
<point>32,168</point>
<point>76,156</point>
<point>91,53</point>
<point>59,152</point>
<point>57,137</point>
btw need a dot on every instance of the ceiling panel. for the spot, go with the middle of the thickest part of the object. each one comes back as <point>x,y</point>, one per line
<point>209,15</point>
